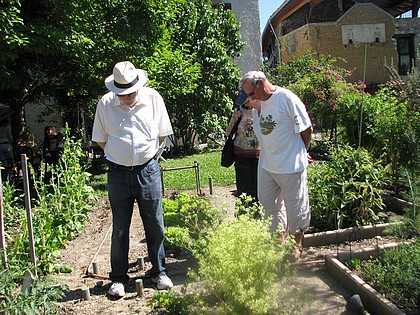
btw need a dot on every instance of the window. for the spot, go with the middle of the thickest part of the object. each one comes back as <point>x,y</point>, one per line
<point>406,56</point>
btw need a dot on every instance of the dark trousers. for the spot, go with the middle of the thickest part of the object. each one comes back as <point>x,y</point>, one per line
<point>124,187</point>
<point>246,176</point>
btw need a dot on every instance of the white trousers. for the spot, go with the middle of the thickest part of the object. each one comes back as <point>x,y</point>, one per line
<point>285,199</point>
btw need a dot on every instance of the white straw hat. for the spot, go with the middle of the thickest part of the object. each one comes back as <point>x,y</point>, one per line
<point>125,78</point>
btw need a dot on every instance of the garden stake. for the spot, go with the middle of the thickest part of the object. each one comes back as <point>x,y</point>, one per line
<point>86,294</point>
<point>95,267</point>
<point>211,185</point>
<point>26,190</point>
<point>88,273</point>
<point>139,287</point>
<point>2,241</point>
<point>140,262</point>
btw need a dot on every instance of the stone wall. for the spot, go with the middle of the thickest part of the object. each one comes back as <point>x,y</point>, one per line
<point>365,58</point>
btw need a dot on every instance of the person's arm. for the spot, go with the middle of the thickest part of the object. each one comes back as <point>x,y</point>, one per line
<point>235,116</point>
<point>161,139</point>
<point>306,137</point>
<point>102,145</point>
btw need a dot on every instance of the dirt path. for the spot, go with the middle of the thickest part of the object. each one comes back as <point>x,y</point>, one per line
<point>320,294</point>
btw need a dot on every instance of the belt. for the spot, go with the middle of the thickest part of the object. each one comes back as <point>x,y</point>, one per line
<point>128,168</point>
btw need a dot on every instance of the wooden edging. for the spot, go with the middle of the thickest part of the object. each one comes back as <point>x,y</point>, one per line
<point>372,300</point>
<point>345,235</point>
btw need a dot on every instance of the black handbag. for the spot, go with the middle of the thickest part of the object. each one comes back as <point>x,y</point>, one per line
<point>228,155</point>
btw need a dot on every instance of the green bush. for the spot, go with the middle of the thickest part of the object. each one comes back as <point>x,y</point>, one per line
<point>59,211</point>
<point>187,219</point>
<point>346,190</point>
<point>247,205</point>
<point>395,274</point>
<point>239,266</point>
<point>41,299</point>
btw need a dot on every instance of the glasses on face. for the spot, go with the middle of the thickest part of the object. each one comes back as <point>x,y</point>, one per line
<point>245,105</point>
<point>253,91</point>
<point>128,95</point>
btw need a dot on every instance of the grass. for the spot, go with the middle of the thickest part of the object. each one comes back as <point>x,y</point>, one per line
<point>208,166</point>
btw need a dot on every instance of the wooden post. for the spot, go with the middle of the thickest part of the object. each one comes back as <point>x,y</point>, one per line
<point>27,193</point>
<point>95,268</point>
<point>140,262</point>
<point>139,287</point>
<point>211,185</point>
<point>86,294</point>
<point>2,240</point>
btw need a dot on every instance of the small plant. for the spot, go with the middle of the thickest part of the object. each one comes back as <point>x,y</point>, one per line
<point>41,299</point>
<point>240,265</point>
<point>187,220</point>
<point>172,303</point>
<point>247,205</point>
<point>396,275</point>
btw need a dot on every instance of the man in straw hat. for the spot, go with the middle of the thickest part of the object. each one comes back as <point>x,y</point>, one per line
<point>131,123</point>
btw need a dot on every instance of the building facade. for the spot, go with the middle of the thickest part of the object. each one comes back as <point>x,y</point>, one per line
<point>367,36</point>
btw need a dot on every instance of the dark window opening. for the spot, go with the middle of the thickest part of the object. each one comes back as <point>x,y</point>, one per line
<point>406,54</point>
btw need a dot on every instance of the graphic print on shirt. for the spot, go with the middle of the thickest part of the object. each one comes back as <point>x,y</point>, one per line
<point>267,124</point>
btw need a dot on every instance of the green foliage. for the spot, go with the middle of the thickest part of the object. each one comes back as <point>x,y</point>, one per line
<point>239,266</point>
<point>396,275</point>
<point>187,49</point>
<point>41,299</point>
<point>172,302</point>
<point>347,190</point>
<point>318,83</point>
<point>396,131</point>
<point>187,220</point>
<point>247,205</point>
<point>59,211</point>
<point>209,166</point>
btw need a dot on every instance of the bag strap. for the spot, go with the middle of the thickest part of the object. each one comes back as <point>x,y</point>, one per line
<point>235,128</point>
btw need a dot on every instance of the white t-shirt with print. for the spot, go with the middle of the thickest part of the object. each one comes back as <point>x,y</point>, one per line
<point>283,117</point>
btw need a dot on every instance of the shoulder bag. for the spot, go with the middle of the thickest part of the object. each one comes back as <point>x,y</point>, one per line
<point>228,155</point>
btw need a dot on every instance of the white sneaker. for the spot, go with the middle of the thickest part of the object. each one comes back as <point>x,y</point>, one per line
<point>163,282</point>
<point>117,290</point>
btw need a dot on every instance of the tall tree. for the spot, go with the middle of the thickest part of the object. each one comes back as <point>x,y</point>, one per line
<point>64,49</point>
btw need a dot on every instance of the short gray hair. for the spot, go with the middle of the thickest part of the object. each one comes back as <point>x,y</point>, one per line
<point>252,77</point>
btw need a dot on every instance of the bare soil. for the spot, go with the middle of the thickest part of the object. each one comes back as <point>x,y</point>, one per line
<point>320,293</point>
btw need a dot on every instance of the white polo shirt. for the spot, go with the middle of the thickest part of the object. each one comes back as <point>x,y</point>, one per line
<point>131,134</point>
<point>283,117</point>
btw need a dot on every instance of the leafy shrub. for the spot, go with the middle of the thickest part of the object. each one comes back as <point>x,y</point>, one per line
<point>319,83</point>
<point>247,205</point>
<point>395,274</point>
<point>41,299</point>
<point>347,190</point>
<point>173,303</point>
<point>239,266</point>
<point>59,211</point>
<point>187,220</point>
